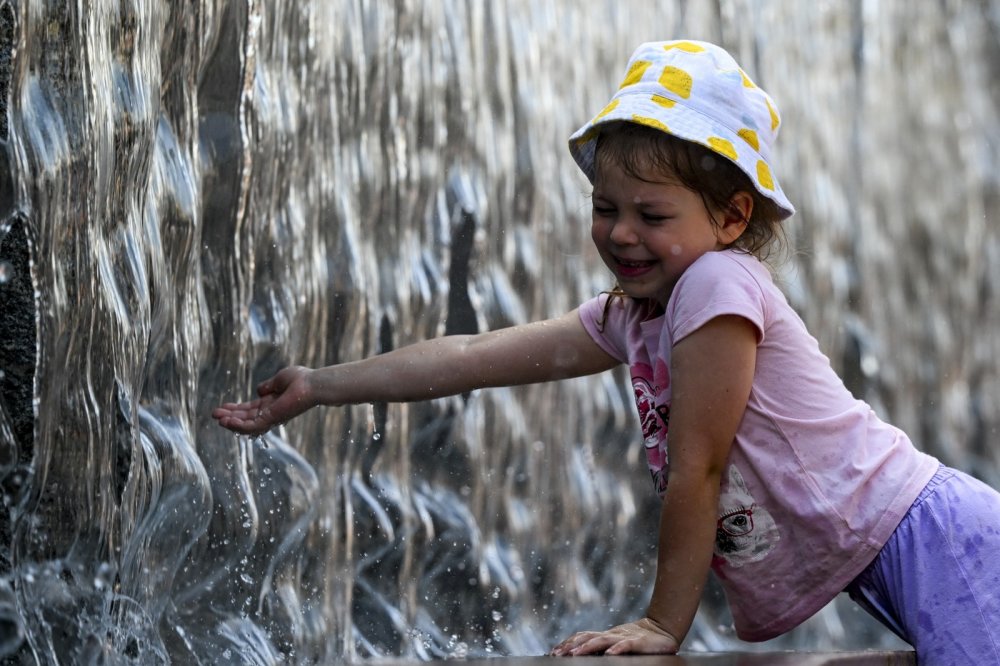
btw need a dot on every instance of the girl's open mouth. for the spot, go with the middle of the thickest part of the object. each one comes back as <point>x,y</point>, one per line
<point>626,268</point>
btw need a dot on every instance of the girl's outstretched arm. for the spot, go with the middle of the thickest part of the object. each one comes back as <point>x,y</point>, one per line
<point>711,372</point>
<point>541,351</point>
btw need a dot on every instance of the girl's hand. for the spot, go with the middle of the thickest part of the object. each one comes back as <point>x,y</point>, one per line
<point>282,397</point>
<point>641,637</point>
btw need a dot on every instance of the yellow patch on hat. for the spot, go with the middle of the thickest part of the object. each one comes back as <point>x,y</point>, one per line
<point>665,102</point>
<point>764,175</point>
<point>774,115</point>
<point>608,109</point>
<point>635,72</point>
<point>750,137</point>
<point>677,81</point>
<point>747,83</point>
<point>690,47</point>
<point>650,122</point>
<point>722,147</point>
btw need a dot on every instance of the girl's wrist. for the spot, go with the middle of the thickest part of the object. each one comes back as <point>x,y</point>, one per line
<point>661,622</point>
<point>331,386</point>
<point>317,387</point>
<point>653,625</point>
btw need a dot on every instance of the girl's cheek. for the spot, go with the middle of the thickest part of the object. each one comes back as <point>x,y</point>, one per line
<point>596,231</point>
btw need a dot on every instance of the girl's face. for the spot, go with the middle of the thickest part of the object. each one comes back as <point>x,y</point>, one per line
<point>649,233</point>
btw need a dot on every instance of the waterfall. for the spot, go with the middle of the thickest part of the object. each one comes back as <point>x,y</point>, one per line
<point>195,194</point>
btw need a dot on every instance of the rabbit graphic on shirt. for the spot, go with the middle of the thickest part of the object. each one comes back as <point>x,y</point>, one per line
<point>745,531</point>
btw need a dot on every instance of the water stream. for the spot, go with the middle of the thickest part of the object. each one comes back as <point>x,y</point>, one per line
<point>194,194</point>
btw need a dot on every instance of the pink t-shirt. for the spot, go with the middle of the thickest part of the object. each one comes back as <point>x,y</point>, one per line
<point>815,483</point>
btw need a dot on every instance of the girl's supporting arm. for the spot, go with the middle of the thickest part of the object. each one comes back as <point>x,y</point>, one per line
<point>541,351</point>
<point>711,374</point>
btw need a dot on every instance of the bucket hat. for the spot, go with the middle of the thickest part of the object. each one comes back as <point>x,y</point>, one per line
<point>695,91</point>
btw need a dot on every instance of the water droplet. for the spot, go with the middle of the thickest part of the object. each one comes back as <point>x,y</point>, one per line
<point>6,272</point>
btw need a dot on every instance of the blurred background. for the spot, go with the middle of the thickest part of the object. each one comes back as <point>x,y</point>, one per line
<point>195,194</point>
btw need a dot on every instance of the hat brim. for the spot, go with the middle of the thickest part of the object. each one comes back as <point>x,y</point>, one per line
<point>677,119</point>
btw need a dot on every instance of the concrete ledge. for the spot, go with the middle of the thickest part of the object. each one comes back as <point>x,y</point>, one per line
<point>872,658</point>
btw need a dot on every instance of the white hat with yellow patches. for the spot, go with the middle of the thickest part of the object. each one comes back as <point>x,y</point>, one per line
<point>695,91</point>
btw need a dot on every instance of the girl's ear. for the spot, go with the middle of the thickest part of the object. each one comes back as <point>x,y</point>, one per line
<point>735,218</point>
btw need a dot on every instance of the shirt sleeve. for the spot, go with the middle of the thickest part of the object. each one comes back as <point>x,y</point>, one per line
<point>604,323</point>
<point>716,284</point>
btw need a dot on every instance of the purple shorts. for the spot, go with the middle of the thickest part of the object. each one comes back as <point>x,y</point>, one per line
<point>936,582</point>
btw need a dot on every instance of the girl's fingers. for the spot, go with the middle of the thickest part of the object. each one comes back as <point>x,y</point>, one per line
<point>632,638</point>
<point>243,426</point>
<point>625,646</point>
<point>245,418</point>
<point>597,645</point>
<point>227,411</point>
<point>573,642</point>
<point>240,406</point>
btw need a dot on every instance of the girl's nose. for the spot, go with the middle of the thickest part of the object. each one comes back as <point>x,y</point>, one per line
<point>623,233</point>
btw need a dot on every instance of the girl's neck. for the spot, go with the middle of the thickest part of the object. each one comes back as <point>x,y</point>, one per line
<point>651,308</point>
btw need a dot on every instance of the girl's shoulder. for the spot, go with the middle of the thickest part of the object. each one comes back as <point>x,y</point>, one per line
<point>726,282</point>
<point>725,269</point>
<point>729,261</point>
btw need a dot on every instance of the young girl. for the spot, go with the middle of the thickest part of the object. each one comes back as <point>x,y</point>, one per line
<point>770,472</point>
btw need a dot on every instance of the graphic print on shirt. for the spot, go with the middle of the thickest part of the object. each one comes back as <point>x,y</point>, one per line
<point>745,532</point>
<point>651,399</point>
